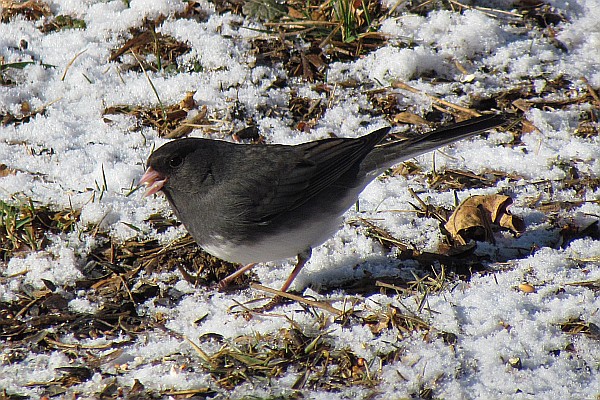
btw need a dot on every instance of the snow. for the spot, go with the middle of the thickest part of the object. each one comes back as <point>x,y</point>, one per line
<point>69,156</point>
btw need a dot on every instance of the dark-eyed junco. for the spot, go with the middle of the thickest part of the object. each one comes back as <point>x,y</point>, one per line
<point>252,203</point>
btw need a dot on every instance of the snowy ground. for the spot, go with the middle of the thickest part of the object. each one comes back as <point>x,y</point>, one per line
<point>484,337</point>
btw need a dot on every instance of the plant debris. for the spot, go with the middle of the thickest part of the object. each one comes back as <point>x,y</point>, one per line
<point>31,9</point>
<point>476,217</point>
<point>577,326</point>
<point>61,22</point>
<point>27,113</point>
<point>23,226</point>
<point>175,121</point>
<point>335,31</point>
<point>264,10</point>
<point>152,50</point>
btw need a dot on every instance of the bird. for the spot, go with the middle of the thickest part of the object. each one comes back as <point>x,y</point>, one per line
<point>248,204</point>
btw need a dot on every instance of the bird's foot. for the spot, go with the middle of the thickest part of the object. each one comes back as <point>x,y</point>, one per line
<point>224,286</point>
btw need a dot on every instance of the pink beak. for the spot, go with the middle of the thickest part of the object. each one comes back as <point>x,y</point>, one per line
<point>153,180</point>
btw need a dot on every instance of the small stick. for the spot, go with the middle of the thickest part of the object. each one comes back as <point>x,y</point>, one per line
<point>469,175</point>
<point>162,107</point>
<point>486,10</point>
<point>416,196</point>
<point>300,23</point>
<point>62,78</point>
<point>6,278</point>
<point>390,286</point>
<point>205,357</point>
<point>402,85</point>
<point>79,345</point>
<point>591,90</point>
<point>187,125</point>
<point>300,299</point>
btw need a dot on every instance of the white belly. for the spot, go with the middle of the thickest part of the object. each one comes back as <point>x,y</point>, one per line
<point>289,243</point>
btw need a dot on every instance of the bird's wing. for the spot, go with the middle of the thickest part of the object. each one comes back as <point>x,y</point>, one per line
<point>317,165</point>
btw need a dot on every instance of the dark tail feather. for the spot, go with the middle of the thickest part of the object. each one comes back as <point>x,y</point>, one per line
<point>388,154</point>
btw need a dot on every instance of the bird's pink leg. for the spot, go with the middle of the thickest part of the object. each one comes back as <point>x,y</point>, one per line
<point>302,259</point>
<point>223,283</point>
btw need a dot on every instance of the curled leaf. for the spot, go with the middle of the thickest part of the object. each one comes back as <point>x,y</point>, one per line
<point>477,216</point>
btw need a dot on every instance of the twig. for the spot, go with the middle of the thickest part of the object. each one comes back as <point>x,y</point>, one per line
<point>469,175</point>
<point>300,299</point>
<point>416,196</point>
<point>205,357</point>
<point>486,10</point>
<point>325,41</point>
<point>402,85</point>
<point>62,78</point>
<point>592,91</point>
<point>382,235</point>
<point>187,393</point>
<point>393,8</point>
<point>27,306</point>
<point>127,288</point>
<point>188,125</point>
<point>162,107</point>
<point>398,289</point>
<point>300,23</point>
<point>80,346</point>
<point>423,4</point>
<point>6,278</point>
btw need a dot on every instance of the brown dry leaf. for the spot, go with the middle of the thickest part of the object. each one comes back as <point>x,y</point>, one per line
<point>26,108</point>
<point>5,171</point>
<point>409,118</point>
<point>145,44</point>
<point>377,325</point>
<point>188,102</point>
<point>528,127</point>
<point>522,104</point>
<point>295,14</point>
<point>474,218</point>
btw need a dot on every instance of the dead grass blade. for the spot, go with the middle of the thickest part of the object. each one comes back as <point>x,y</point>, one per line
<point>300,299</point>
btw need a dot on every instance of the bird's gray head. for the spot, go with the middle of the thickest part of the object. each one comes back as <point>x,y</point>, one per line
<point>180,163</point>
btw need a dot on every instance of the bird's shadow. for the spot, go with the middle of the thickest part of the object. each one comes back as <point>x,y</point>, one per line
<point>407,269</point>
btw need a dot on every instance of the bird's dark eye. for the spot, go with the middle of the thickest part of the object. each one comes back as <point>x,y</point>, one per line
<point>175,161</point>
